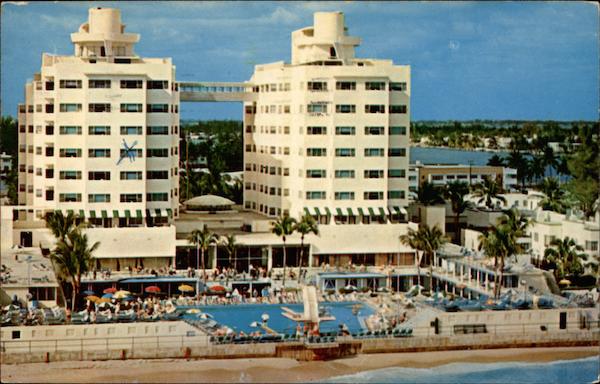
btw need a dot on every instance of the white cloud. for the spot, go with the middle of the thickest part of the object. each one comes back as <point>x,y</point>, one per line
<point>15,3</point>
<point>454,45</point>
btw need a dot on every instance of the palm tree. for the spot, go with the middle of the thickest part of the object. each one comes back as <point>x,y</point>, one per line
<point>231,248</point>
<point>488,191</point>
<point>61,225</point>
<point>554,195</point>
<point>537,167</point>
<point>283,227</point>
<point>495,161</point>
<point>428,240</point>
<point>306,225</point>
<point>514,226</point>
<point>73,257</point>
<point>456,192</point>
<point>563,253</point>
<point>203,240</point>
<point>495,244</point>
<point>517,161</point>
<point>429,194</point>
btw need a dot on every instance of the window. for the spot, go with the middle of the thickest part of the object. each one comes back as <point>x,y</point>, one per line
<point>70,83</point>
<point>70,130</point>
<point>397,108</point>
<point>316,130</point>
<point>157,130</point>
<point>99,175</point>
<point>131,197</point>
<point>375,86</point>
<point>398,86</point>
<point>68,152</point>
<point>344,174</point>
<point>128,130</point>
<point>373,173</point>
<point>591,245</point>
<point>396,173</point>
<point>374,131</point>
<point>316,173</point>
<point>157,108</point>
<point>127,107</point>
<point>131,175</point>
<point>157,152</point>
<point>397,130</point>
<point>316,108</point>
<point>157,84</point>
<point>315,195</point>
<point>373,195</point>
<point>373,152</point>
<point>157,196</point>
<point>374,108</point>
<point>131,84</point>
<point>397,152</point>
<point>316,151</point>
<point>345,131</point>
<point>395,194</point>
<point>345,108</point>
<point>157,175</point>
<point>99,198</point>
<point>99,130</point>
<point>317,86</point>
<point>69,197</point>
<point>70,107</point>
<point>345,85</point>
<point>70,175</point>
<point>99,152</point>
<point>99,84</point>
<point>437,177</point>
<point>344,195</point>
<point>345,152</point>
<point>99,107</point>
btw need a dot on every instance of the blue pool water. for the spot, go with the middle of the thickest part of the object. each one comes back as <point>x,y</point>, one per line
<point>239,317</point>
<point>566,371</point>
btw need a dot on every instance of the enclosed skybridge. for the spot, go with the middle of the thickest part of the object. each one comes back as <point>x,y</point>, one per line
<point>216,91</point>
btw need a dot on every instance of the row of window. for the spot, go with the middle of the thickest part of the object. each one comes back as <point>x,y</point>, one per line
<point>323,108</point>
<point>273,211</point>
<point>348,195</point>
<point>105,152</point>
<point>351,152</point>
<point>350,130</point>
<point>102,83</point>
<point>270,170</point>
<point>103,130</point>
<point>273,150</point>
<point>339,85</point>
<point>105,197</point>
<point>124,175</point>
<point>273,191</point>
<point>124,107</point>
<point>350,173</point>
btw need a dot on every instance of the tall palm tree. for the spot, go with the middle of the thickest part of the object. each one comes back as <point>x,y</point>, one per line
<point>489,191</point>
<point>514,225</point>
<point>231,248</point>
<point>455,192</point>
<point>494,243</point>
<point>517,161</point>
<point>564,254</point>
<point>73,257</point>
<point>554,199</point>
<point>283,227</point>
<point>428,240</point>
<point>429,194</point>
<point>203,239</point>
<point>495,161</point>
<point>537,167</point>
<point>306,225</point>
<point>61,225</point>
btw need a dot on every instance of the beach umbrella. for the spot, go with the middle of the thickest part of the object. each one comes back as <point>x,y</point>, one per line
<point>193,310</point>
<point>205,316</point>
<point>152,289</point>
<point>218,288</point>
<point>121,294</point>
<point>564,282</point>
<point>350,288</point>
<point>186,288</point>
<point>92,298</point>
<point>103,300</point>
<point>107,296</point>
<point>110,290</point>
<point>88,293</point>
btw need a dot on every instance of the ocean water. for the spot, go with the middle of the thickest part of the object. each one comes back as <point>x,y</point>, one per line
<point>578,371</point>
<point>450,156</point>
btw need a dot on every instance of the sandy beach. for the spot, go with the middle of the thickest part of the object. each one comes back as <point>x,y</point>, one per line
<point>267,369</point>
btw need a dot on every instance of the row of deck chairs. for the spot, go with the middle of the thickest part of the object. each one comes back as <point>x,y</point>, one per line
<point>404,332</point>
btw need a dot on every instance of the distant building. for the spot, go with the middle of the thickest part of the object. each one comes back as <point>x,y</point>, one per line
<point>5,168</point>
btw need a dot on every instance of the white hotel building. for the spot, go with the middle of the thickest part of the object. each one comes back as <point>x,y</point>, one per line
<point>328,133</point>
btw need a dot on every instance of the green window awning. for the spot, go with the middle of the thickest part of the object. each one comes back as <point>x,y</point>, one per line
<point>361,212</point>
<point>69,211</point>
<point>150,213</point>
<point>82,214</point>
<point>317,211</point>
<point>138,214</point>
<point>371,211</point>
<point>158,213</point>
<point>327,211</point>
<point>128,213</point>
<point>396,209</point>
<point>306,211</point>
<point>92,214</point>
<point>169,212</point>
<point>115,214</point>
<point>382,212</point>
<point>339,212</point>
<point>104,214</point>
<point>350,212</point>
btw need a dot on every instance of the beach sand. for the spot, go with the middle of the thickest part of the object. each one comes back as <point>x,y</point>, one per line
<point>274,370</point>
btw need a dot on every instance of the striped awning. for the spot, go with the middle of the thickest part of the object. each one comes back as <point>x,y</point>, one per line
<point>104,214</point>
<point>382,212</point>
<point>138,213</point>
<point>127,214</point>
<point>115,214</point>
<point>307,211</point>
<point>361,212</point>
<point>327,211</point>
<point>403,211</point>
<point>92,214</point>
<point>81,213</point>
<point>317,211</point>
<point>371,211</point>
<point>339,212</point>
<point>350,212</point>
<point>150,213</point>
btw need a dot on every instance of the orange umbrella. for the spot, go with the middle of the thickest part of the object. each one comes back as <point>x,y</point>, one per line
<point>152,289</point>
<point>110,290</point>
<point>186,288</point>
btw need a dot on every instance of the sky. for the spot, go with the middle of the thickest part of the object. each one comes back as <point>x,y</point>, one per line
<point>469,60</point>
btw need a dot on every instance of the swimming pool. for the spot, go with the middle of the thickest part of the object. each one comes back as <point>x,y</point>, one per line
<point>239,317</point>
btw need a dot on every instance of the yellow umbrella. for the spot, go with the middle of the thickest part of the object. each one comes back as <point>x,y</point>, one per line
<point>93,298</point>
<point>193,310</point>
<point>121,294</point>
<point>564,282</point>
<point>103,300</point>
<point>186,288</point>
